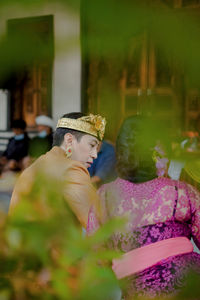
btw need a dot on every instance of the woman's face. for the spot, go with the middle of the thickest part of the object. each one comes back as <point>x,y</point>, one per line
<point>85,150</point>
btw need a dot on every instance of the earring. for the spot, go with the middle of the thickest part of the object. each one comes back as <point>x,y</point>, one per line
<point>68,152</point>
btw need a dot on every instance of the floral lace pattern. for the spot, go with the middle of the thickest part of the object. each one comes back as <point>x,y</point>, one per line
<point>164,278</point>
<point>156,210</point>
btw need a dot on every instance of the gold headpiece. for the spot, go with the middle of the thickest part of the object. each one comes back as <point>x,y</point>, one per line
<point>92,124</point>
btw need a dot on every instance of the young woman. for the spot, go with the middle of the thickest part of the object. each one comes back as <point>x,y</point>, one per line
<point>162,216</point>
<point>75,144</point>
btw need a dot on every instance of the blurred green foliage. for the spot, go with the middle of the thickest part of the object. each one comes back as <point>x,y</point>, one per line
<point>44,255</point>
<point>110,31</point>
<point>111,24</point>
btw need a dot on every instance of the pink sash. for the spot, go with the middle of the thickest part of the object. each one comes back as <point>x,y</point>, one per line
<point>144,257</point>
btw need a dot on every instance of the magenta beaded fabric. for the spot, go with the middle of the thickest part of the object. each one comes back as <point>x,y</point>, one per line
<point>156,210</point>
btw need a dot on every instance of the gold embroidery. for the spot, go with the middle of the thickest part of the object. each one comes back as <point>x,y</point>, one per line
<point>92,124</point>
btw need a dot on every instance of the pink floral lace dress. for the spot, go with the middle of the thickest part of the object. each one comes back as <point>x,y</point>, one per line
<point>156,210</point>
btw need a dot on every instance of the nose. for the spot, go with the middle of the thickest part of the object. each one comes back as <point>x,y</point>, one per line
<point>94,153</point>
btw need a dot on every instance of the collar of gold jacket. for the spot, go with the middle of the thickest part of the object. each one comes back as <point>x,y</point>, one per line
<point>92,124</point>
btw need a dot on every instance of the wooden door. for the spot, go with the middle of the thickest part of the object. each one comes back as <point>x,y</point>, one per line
<point>31,85</point>
<point>36,93</point>
<point>134,80</point>
<point>148,82</point>
<point>192,109</point>
<point>147,79</point>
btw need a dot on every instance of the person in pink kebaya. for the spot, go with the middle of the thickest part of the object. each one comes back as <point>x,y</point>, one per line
<point>162,216</point>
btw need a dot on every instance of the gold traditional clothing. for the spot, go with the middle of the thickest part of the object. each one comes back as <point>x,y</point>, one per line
<point>78,189</point>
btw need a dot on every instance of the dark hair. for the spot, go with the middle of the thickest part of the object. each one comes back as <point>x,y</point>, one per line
<point>60,132</point>
<point>134,149</point>
<point>18,123</point>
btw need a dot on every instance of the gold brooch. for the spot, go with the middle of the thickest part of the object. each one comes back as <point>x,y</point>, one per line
<point>98,122</point>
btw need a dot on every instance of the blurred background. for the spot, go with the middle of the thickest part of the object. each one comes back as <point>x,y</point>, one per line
<point>111,57</point>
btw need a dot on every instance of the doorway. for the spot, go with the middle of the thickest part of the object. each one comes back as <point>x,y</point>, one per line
<point>30,82</point>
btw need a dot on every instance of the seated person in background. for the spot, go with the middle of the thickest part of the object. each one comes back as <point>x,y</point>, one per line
<point>17,148</point>
<point>103,168</point>
<point>41,143</point>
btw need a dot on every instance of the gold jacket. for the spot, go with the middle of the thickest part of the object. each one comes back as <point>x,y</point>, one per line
<point>78,191</point>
